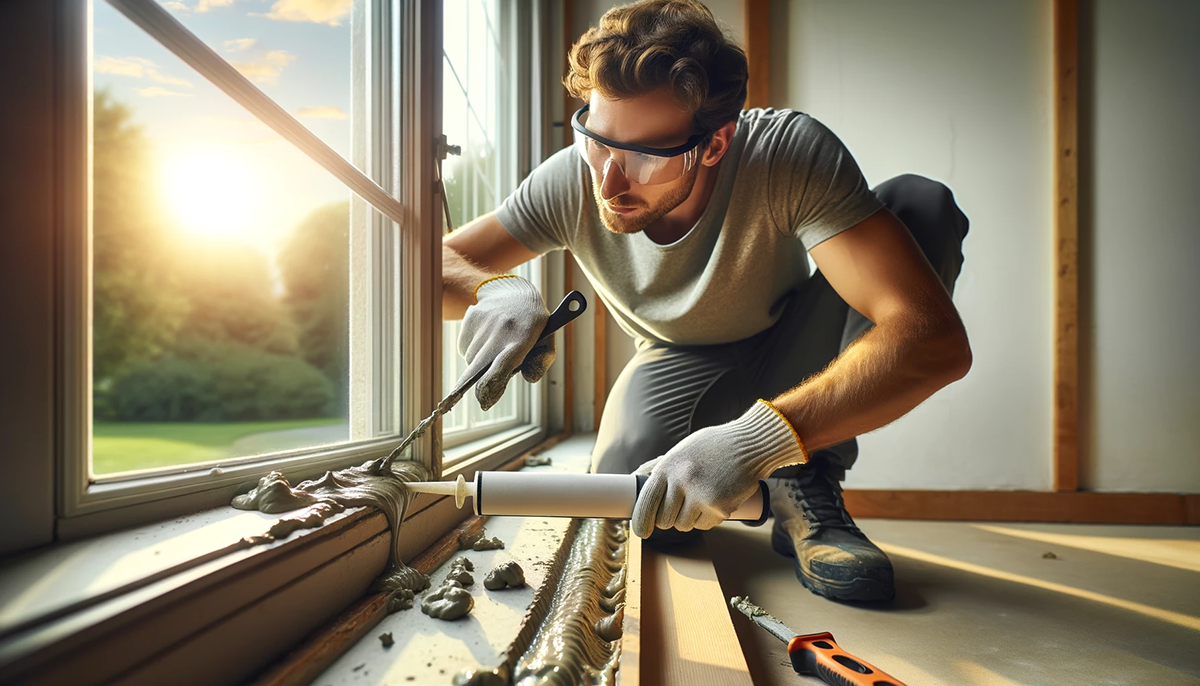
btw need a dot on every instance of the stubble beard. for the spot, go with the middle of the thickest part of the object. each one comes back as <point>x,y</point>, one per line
<point>645,215</point>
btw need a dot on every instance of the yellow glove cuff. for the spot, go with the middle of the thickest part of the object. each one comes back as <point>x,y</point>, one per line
<point>490,279</point>
<point>800,443</point>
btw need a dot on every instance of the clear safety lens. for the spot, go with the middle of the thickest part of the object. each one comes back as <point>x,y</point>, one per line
<point>639,168</point>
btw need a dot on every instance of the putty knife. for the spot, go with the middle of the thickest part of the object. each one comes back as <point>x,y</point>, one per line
<point>816,654</point>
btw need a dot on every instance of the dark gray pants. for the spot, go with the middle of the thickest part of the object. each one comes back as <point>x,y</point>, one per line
<point>667,392</point>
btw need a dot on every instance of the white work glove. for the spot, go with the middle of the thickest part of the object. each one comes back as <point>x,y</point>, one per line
<point>709,474</point>
<point>499,332</point>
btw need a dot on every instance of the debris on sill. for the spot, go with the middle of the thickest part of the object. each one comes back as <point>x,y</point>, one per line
<point>504,575</point>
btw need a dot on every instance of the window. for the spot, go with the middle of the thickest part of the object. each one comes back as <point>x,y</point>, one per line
<point>480,95</point>
<point>189,88</point>
<point>248,310</point>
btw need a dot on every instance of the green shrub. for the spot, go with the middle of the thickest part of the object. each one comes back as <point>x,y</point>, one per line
<point>222,382</point>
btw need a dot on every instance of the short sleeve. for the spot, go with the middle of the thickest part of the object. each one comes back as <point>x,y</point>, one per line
<point>815,187</point>
<point>543,213</point>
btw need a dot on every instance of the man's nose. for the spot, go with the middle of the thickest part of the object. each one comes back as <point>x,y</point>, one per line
<point>613,182</point>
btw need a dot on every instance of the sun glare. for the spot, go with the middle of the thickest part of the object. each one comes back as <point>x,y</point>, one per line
<point>211,192</point>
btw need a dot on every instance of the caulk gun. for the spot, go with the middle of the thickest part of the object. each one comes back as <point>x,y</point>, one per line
<point>563,494</point>
<point>554,494</point>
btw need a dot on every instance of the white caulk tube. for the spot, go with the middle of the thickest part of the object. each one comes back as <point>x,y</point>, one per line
<point>561,494</point>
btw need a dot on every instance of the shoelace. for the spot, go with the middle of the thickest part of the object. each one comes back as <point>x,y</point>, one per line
<point>820,500</point>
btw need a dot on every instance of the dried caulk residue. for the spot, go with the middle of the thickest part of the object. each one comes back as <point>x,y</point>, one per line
<point>504,575</point>
<point>572,644</point>
<point>485,543</point>
<point>538,460</point>
<point>465,542</point>
<point>377,483</point>
<point>448,601</point>
<point>460,571</point>
<point>742,604</point>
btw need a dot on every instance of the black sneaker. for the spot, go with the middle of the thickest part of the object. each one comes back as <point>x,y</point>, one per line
<point>833,557</point>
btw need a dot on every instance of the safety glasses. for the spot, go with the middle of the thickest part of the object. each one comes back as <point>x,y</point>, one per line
<point>638,163</point>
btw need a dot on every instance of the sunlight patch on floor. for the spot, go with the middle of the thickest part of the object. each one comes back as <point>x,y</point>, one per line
<point>1178,553</point>
<point>1177,618</point>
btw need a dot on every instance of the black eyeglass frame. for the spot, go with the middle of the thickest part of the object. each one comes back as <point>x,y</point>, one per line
<point>692,143</point>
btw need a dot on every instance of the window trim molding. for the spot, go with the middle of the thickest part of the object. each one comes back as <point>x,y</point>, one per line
<point>30,32</point>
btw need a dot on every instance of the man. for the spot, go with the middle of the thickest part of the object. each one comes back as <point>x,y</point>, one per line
<point>692,219</point>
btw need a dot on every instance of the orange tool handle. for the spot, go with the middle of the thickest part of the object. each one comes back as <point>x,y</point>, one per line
<point>820,656</point>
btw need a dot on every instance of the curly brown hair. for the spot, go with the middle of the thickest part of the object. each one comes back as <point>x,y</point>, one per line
<point>653,44</point>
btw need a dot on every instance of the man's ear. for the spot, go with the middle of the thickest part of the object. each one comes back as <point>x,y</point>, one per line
<point>719,144</point>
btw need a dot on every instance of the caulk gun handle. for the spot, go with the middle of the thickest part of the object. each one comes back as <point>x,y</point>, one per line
<point>753,512</point>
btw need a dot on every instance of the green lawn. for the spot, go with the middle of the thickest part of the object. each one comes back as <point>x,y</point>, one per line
<point>125,446</point>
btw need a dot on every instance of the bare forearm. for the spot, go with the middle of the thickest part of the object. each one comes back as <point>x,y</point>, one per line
<point>459,278</point>
<point>886,373</point>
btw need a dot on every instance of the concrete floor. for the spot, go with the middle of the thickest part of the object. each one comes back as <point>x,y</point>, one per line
<point>981,604</point>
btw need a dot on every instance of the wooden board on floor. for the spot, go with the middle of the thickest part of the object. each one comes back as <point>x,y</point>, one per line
<point>630,672</point>
<point>1027,506</point>
<point>685,634</point>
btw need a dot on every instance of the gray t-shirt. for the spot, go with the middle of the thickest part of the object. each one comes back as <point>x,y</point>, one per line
<point>786,184</point>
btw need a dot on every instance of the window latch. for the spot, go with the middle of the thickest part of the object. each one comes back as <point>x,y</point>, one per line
<point>442,148</point>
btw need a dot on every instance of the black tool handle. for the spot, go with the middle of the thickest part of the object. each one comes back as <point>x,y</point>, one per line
<point>572,305</point>
<point>560,317</point>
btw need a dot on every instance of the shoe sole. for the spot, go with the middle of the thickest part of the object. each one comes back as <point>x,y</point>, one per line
<point>858,589</point>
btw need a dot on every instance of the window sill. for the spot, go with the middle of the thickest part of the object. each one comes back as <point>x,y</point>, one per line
<point>90,610</point>
<point>490,451</point>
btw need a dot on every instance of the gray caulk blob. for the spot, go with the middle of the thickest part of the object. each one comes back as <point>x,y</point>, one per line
<point>448,601</point>
<point>504,575</point>
<point>375,483</point>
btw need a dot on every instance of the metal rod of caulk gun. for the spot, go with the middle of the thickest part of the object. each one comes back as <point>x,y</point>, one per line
<point>561,494</point>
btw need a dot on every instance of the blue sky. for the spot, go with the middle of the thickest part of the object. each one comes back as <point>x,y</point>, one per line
<point>222,171</point>
<point>298,56</point>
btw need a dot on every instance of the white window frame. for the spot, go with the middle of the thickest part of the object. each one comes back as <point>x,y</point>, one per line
<point>47,409</point>
<point>394,139</point>
<point>44,189</point>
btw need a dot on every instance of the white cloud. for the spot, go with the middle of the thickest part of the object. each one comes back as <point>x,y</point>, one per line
<point>158,76</point>
<point>137,67</point>
<point>239,44</point>
<point>123,66</point>
<point>176,6</point>
<point>160,92</point>
<point>267,68</point>
<point>315,11</point>
<point>206,5</point>
<point>321,113</point>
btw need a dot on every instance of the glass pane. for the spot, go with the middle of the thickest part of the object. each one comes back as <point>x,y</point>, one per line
<point>220,279</point>
<point>473,77</point>
<point>297,52</point>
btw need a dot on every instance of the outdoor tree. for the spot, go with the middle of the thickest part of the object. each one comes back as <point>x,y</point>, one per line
<point>314,266</point>
<point>137,305</point>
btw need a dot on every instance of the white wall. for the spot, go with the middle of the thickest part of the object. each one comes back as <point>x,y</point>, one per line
<point>962,93</point>
<point>1143,181</point>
